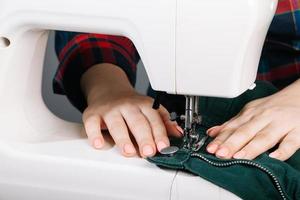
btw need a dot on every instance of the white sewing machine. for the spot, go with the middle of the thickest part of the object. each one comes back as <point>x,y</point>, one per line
<point>190,47</point>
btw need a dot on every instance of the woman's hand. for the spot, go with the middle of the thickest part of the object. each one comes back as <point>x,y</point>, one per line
<point>114,105</point>
<point>261,125</point>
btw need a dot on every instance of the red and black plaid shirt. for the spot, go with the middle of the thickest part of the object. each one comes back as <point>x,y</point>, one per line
<point>77,52</point>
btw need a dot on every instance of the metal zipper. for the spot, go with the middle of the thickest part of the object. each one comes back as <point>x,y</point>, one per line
<point>244,162</point>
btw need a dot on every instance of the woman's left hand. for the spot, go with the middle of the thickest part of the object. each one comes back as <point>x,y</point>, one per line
<point>261,125</point>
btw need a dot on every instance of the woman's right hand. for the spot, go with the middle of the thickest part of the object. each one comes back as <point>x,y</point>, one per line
<point>114,105</point>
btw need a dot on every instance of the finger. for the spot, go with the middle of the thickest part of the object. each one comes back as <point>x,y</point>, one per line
<point>256,102</point>
<point>141,130</point>
<point>213,131</point>
<point>227,129</point>
<point>232,124</point>
<point>92,127</point>
<point>158,128</point>
<point>213,146</point>
<point>241,136</point>
<point>119,132</point>
<point>172,127</point>
<point>267,138</point>
<point>238,121</point>
<point>288,146</point>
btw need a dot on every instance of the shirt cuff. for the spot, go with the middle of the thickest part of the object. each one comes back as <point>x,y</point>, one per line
<point>85,51</point>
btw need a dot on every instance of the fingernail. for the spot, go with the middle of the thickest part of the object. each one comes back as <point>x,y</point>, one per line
<point>212,148</point>
<point>210,129</point>
<point>274,155</point>
<point>161,145</point>
<point>239,155</point>
<point>179,129</point>
<point>223,152</point>
<point>148,150</point>
<point>98,143</point>
<point>129,149</point>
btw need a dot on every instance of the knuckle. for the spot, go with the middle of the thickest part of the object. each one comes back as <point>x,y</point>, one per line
<point>139,128</point>
<point>292,144</point>
<point>86,114</point>
<point>217,141</point>
<point>227,129</point>
<point>157,124</point>
<point>164,112</point>
<point>243,131</point>
<point>114,127</point>
<point>238,139</point>
<point>229,144</point>
<point>92,118</point>
<point>262,144</point>
<point>128,104</point>
<point>248,111</point>
<point>91,113</point>
<point>253,148</point>
<point>284,151</point>
<point>129,107</point>
<point>139,121</point>
<point>265,138</point>
<point>159,131</point>
<point>145,102</point>
<point>249,105</point>
<point>267,112</point>
<point>271,111</point>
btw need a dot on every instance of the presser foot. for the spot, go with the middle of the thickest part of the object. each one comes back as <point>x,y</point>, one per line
<point>192,118</point>
<point>192,140</point>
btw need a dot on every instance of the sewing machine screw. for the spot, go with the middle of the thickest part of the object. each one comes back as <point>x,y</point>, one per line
<point>173,116</point>
<point>169,151</point>
<point>4,42</point>
<point>198,119</point>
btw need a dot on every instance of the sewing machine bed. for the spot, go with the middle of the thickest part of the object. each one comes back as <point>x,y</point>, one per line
<point>64,166</point>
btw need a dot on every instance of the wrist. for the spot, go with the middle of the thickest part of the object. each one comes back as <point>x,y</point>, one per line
<point>99,93</point>
<point>292,89</point>
<point>105,80</point>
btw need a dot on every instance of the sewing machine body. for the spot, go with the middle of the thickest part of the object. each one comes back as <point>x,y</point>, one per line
<point>44,157</point>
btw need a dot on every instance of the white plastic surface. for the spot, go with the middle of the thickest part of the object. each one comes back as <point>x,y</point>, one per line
<point>44,157</point>
<point>187,186</point>
<point>219,44</point>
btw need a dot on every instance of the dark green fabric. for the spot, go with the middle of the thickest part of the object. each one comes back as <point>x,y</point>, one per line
<point>247,182</point>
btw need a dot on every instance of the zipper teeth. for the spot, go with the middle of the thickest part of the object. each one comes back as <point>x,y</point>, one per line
<point>245,162</point>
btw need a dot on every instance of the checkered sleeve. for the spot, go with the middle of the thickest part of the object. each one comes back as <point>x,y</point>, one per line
<point>280,60</point>
<point>77,52</point>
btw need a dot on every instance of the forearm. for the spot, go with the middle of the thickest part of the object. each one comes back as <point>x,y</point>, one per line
<point>293,88</point>
<point>103,79</point>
